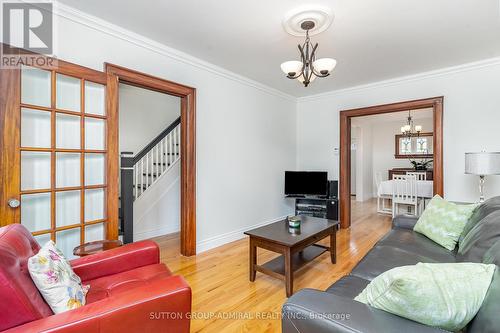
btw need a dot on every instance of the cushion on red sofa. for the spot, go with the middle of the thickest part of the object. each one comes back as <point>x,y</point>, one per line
<point>108,286</point>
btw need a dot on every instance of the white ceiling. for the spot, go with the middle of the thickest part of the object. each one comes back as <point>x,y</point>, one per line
<point>371,40</point>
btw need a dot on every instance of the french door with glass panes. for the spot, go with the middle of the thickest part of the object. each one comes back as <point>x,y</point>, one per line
<point>55,146</point>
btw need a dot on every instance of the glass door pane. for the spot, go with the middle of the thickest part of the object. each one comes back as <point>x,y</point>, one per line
<point>35,170</point>
<point>35,211</point>
<point>95,169</point>
<point>67,170</point>
<point>35,128</point>
<point>68,93</point>
<point>95,135</point>
<point>68,131</point>
<point>67,240</point>
<point>95,101</point>
<point>94,232</point>
<point>42,239</point>
<point>67,208</point>
<point>35,86</point>
<point>94,204</point>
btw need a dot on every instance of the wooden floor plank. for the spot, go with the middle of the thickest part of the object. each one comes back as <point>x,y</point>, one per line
<point>224,300</point>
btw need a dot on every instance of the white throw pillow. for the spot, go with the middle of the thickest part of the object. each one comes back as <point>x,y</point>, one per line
<point>52,274</point>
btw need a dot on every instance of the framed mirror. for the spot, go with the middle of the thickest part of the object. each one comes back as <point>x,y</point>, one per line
<point>415,147</point>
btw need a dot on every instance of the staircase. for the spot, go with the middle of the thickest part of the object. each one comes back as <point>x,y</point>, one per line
<point>142,171</point>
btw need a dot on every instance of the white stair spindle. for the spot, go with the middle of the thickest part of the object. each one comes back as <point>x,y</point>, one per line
<point>141,176</point>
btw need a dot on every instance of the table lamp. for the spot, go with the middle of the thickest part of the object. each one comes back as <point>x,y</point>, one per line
<point>482,164</point>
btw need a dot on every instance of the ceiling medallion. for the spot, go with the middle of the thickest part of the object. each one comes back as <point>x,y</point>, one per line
<point>322,17</point>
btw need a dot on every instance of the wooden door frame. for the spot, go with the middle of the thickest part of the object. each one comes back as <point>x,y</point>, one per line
<point>118,74</point>
<point>436,103</point>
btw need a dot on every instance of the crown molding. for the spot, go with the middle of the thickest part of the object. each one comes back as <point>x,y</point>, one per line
<point>108,28</point>
<point>405,79</point>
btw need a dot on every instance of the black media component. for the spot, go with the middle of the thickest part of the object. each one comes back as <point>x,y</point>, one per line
<point>333,189</point>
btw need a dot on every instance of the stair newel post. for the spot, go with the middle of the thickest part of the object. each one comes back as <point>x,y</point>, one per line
<point>127,196</point>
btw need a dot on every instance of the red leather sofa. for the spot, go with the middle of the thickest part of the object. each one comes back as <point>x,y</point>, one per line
<point>130,291</point>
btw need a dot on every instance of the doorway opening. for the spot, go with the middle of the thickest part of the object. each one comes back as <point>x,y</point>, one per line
<point>169,158</point>
<point>149,134</point>
<point>360,172</point>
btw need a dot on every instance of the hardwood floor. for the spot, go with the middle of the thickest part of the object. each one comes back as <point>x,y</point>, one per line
<point>224,300</point>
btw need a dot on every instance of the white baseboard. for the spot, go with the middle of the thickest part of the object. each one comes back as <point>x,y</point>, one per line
<point>228,237</point>
<point>154,233</point>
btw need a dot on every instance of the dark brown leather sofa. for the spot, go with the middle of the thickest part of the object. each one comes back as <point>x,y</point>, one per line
<point>334,309</point>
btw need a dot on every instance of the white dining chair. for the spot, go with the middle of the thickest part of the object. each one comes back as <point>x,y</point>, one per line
<point>382,198</point>
<point>404,192</point>
<point>419,175</point>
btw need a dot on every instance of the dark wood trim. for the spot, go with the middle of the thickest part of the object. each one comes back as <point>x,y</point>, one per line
<point>436,103</point>
<point>188,174</point>
<point>156,140</point>
<point>187,94</point>
<point>399,156</point>
<point>345,171</point>
<point>112,166</point>
<point>10,141</point>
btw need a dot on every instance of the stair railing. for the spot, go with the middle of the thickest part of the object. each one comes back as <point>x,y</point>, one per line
<point>140,172</point>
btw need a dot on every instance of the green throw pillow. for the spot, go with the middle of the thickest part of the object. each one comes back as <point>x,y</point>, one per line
<point>443,221</point>
<point>447,296</point>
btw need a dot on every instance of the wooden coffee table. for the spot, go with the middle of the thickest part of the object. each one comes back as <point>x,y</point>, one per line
<point>297,249</point>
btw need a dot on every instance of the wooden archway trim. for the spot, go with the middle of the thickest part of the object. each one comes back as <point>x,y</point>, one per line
<point>118,74</point>
<point>436,103</point>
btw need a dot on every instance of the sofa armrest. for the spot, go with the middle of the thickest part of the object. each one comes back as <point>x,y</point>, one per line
<point>161,306</point>
<point>116,260</point>
<point>404,221</point>
<point>320,312</point>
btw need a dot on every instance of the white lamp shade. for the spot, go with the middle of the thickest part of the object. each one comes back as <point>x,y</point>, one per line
<point>324,64</point>
<point>290,67</point>
<point>484,163</point>
<point>418,128</point>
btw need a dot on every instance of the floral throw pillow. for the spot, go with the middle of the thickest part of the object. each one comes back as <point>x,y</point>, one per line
<point>52,274</point>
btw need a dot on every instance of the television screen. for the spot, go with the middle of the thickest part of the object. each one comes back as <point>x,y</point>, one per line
<point>306,183</point>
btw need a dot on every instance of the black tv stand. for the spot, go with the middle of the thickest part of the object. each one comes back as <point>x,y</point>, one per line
<point>316,206</point>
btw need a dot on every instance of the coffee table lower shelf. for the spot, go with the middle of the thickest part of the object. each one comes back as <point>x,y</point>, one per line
<point>276,266</point>
<point>296,249</point>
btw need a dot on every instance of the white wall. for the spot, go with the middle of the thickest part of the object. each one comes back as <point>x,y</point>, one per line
<point>383,145</point>
<point>471,120</point>
<point>143,115</point>
<point>364,172</point>
<point>157,211</point>
<point>246,132</point>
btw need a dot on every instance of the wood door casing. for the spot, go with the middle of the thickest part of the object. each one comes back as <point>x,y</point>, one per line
<point>10,128</point>
<point>187,94</point>
<point>436,103</point>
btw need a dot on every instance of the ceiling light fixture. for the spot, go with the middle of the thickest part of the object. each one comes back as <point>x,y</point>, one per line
<point>410,129</point>
<point>308,68</point>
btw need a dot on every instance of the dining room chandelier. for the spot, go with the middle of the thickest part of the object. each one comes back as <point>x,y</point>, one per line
<point>308,68</point>
<point>410,129</point>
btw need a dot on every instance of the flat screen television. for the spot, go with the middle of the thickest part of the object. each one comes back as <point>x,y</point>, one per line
<point>308,183</point>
